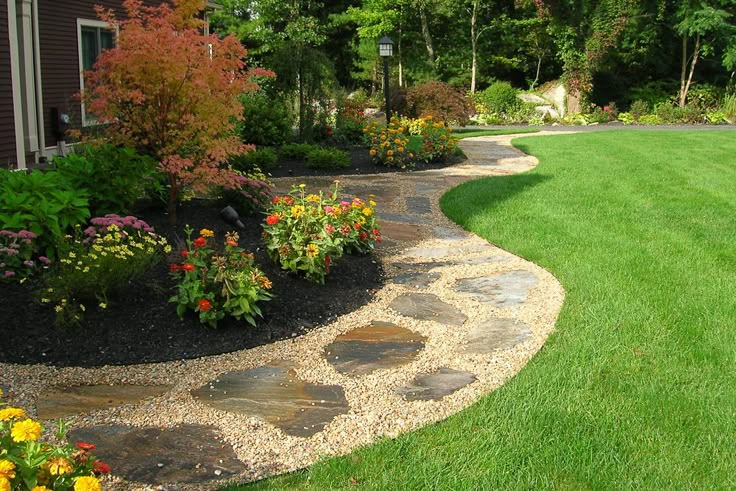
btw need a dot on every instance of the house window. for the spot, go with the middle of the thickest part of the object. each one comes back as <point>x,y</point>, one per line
<point>93,37</point>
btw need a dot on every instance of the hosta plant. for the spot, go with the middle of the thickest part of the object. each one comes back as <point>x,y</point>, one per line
<point>99,260</point>
<point>27,464</point>
<point>215,284</point>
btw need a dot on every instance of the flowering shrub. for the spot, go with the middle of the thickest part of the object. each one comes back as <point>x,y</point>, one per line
<point>16,250</point>
<point>349,121</point>
<point>306,232</point>
<point>29,465</point>
<point>437,140</point>
<point>108,254</point>
<point>252,192</point>
<point>214,285</point>
<point>388,143</point>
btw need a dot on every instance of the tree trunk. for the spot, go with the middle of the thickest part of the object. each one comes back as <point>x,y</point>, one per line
<point>474,45</point>
<point>696,54</point>
<point>683,71</point>
<point>427,36</point>
<point>401,64</point>
<point>374,79</point>
<point>302,108</point>
<point>536,76</point>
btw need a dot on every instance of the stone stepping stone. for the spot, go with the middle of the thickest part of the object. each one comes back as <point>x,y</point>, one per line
<point>436,385</point>
<point>405,218</point>
<point>186,454</point>
<point>401,232</point>
<point>418,205</point>
<point>500,290</point>
<point>427,307</point>
<point>377,346</point>
<point>275,393</point>
<point>68,401</point>
<point>471,261</point>
<point>437,252</point>
<point>496,334</point>
<point>449,234</point>
<point>416,280</point>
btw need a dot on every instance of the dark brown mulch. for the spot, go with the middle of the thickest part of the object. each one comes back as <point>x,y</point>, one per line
<point>141,326</point>
<point>360,164</point>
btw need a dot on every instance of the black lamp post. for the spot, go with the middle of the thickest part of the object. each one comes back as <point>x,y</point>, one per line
<point>386,50</point>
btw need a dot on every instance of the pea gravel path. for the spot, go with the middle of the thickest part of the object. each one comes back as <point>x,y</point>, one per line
<point>457,319</point>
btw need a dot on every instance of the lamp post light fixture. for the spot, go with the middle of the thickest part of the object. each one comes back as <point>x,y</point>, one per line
<point>386,50</point>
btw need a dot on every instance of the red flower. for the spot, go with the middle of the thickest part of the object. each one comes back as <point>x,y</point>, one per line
<point>272,219</point>
<point>204,305</point>
<point>276,200</point>
<point>174,268</point>
<point>99,467</point>
<point>328,261</point>
<point>199,242</point>
<point>185,253</point>
<point>288,200</point>
<point>376,232</point>
<point>84,446</point>
<point>188,267</point>
<point>232,243</point>
<point>363,236</point>
<point>356,225</point>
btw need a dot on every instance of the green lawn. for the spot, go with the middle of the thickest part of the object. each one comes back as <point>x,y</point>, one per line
<point>636,389</point>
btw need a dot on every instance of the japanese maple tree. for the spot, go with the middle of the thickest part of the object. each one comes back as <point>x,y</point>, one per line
<point>172,91</point>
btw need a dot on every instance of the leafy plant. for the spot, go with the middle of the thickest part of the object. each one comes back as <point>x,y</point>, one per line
<point>215,285</point>
<point>41,203</point>
<point>263,159</point>
<point>96,262</point>
<point>439,100</point>
<point>638,109</point>
<point>296,151</point>
<point>349,121</point>
<point>26,464</point>
<point>729,108</point>
<point>16,252</point>
<point>499,98</point>
<point>437,140</point>
<point>114,177</point>
<point>388,144</point>
<point>626,118</point>
<point>327,158</point>
<point>266,121</point>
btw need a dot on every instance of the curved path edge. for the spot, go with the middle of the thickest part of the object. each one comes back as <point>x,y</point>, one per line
<point>457,318</point>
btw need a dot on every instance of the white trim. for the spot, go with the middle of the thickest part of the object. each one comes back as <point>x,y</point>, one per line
<point>38,84</point>
<point>16,84</point>
<point>86,23</point>
<point>28,86</point>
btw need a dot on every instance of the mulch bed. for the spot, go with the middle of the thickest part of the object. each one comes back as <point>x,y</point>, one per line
<point>141,326</point>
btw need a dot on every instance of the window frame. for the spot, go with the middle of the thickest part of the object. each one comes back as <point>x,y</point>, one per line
<point>86,121</point>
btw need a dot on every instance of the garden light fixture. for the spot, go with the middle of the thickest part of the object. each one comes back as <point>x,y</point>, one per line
<point>386,50</point>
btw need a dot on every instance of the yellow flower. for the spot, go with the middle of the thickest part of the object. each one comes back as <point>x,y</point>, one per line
<point>7,469</point>
<point>312,250</point>
<point>11,413</point>
<point>302,186</point>
<point>102,305</point>
<point>87,483</point>
<point>26,430</point>
<point>60,466</point>
<point>390,153</point>
<point>312,198</point>
<point>372,203</point>
<point>167,248</point>
<point>443,137</point>
<point>383,137</point>
<point>397,141</point>
<point>297,211</point>
<point>205,232</point>
<point>361,220</point>
<point>4,484</point>
<point>373,152</point>
<point>40,488</point>
<point>367,211</point>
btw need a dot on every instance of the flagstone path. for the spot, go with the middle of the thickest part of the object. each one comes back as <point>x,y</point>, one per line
<point>456,319</point>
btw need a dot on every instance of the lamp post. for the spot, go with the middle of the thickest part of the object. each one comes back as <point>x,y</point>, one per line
<point>386,50</point>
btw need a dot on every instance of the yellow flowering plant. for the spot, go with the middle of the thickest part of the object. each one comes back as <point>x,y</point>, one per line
<point>437,140</point>
<point>94,262</point>
<point>27,464</point>
<point>215,284</point>
<point>388,144</point>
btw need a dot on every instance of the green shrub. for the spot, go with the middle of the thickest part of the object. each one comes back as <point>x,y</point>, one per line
<point>42,203</point>
<point>650,119</point>
<point>716,117</point>
<point>705,97</point>
<point>253,193</point>
<point>690,115</point>
<point>296,151</point>
<point>626,118</point>
<point>638,109</point>
<point>263,159</point>
<point>114,177</point>
<point>16,252</point>
<point>327,158</point>
<point>439,100</point>
<point>729,108</point>
<point>499,98</point>
<point>667,113</point>
<point>267,121</point>
<point>655,92</point>
<point>349,121</point>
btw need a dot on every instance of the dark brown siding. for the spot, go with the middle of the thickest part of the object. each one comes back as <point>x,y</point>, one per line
<point>7,127</point>
<point>60,56</point>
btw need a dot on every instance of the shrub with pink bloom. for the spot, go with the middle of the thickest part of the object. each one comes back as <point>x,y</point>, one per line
<point>16,256</point>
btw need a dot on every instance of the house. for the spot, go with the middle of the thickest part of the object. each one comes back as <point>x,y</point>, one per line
<point>44,47</point>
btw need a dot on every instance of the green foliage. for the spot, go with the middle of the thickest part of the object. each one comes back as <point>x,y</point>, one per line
<point>627,118</point>
<point>296,151</point>
<point>654,93</point>
<point>499,98</point>
<point>638,109</point>
<point>729,108</point>
<point>114,177</point>
<point>98,262</point>
<point>16,251</point>
<point>389,145</point>
<point>42,203</point>
<point>263,159</point>
<point>439,100</point>
<point>267,120</point>
<point>349,120</point>
<point>215,284</point>
<point>650,120</point>
<point>705,97</point>
<point>327,158</point>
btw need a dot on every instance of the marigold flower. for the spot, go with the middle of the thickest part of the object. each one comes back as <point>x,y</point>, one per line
<point>204,305</point>
<point>188,267</point>
<point>11,413</point>
<point>85,446</point>
<point>390,153</point>
<point>87,483</point>
<point>7,469</point>
<point>205,232</point>
<point>99,467</point>
<point>199,242</point>
<point>373,152</point>
<point>59,467</point>
<point>26,430</point>
<point>272,219</point>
